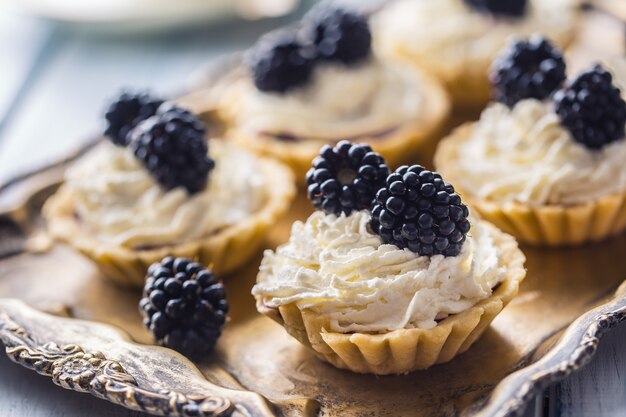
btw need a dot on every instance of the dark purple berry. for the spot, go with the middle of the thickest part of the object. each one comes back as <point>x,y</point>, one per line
<point>591,107</point>
<point>126,112</point>
<point>279,63</point>
<point>500,8</point>
<point>531,68</point>
<point>336,34</point>
<point>171,145</point>
<point>345,178</point>
<point>419,211</point>
<point>188,314</point>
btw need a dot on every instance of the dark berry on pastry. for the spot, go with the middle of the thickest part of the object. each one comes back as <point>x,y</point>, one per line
<point>278,62</point>
<point>500,8</point>
<point>337,35</point>
<point>126,112</point>
<point>591,107</point>
<point>417,210</point>
<point>172,146</point>
<point>345,178</point>
<point>184,306</point>
<point>531,68</point>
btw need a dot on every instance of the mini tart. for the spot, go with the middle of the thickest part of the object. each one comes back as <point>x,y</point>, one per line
<point>467,81</point>
<point>397,145</point>
<point>549,225</point>
<point>226,249</point>
<point>405,350</point>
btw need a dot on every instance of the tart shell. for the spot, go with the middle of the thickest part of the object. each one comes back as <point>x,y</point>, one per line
<point>405,350</point>
<point>468,85</point>
<point>549,225</point>
<point>227,249</point>
<point>404,143</point>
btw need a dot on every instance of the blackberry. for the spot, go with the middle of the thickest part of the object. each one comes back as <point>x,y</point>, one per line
<point>531,68</point>
<point>419,211</point>
<point>126,112</point>
<point>171,145</point>
<point>337,35</point>
<point>503,8</point>
<point>591,107</point>
<point>184,306</point>
<point>345,178</point>
<point>278,62</point>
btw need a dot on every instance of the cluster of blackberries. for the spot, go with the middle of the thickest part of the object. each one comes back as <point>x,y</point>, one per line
<point>411,208</point>
<point>184,306</point>
<point>285,59</point>
<point>168,140</point>
<point>345,178</point>
<point>503,8</point>
<point>531,68</point>
<point>591,107</point>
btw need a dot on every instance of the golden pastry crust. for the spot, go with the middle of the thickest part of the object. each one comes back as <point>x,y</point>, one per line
<point>468,85</point>
<point>398,146</point>
<point>404,350</point>
<point>548,225</point>
<point>227,249</point>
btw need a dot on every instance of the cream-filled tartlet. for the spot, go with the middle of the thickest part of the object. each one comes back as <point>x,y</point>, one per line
<point>458,39</point>
<point>547,168</point>
<point>390,275</point>
<point>320,82</point>
<point>155,191</point>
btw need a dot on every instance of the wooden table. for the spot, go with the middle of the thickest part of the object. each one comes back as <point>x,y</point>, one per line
<point>53,85</point>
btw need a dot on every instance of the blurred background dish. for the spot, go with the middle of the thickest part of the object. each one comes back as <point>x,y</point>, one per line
<point>139,15</point>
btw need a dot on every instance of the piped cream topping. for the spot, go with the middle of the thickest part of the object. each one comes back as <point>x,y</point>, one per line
<point>118,201</point>
<point>337,267</point>
<point>453,35</point>
<point>339,102</point>
<point>524,154</point>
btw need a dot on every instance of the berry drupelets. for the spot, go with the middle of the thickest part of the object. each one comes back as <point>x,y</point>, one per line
<point>278,62</point>
<point>171,145</point>
<point>592,109</point>
<point>500,8</point>
<point>284,60</point>
<point>345,178</point>
<point>531,68</point>
<point>184,306</point>
<point>419,211</point>
<point>126,112</point>
<point>337,35</point>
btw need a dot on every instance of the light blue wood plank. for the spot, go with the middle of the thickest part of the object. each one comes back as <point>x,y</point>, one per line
<point>22,41</point>
<point>598,390</point>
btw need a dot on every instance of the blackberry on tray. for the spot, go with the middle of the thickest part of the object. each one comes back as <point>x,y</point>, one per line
<point>184,306</point>
<point>419,211</point>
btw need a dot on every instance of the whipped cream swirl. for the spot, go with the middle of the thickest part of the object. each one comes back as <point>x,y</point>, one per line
<point>337,267</point>
<point>339,102</point>
<point>452,35</point>
<point>118,201</point>
<point>525,155</point>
